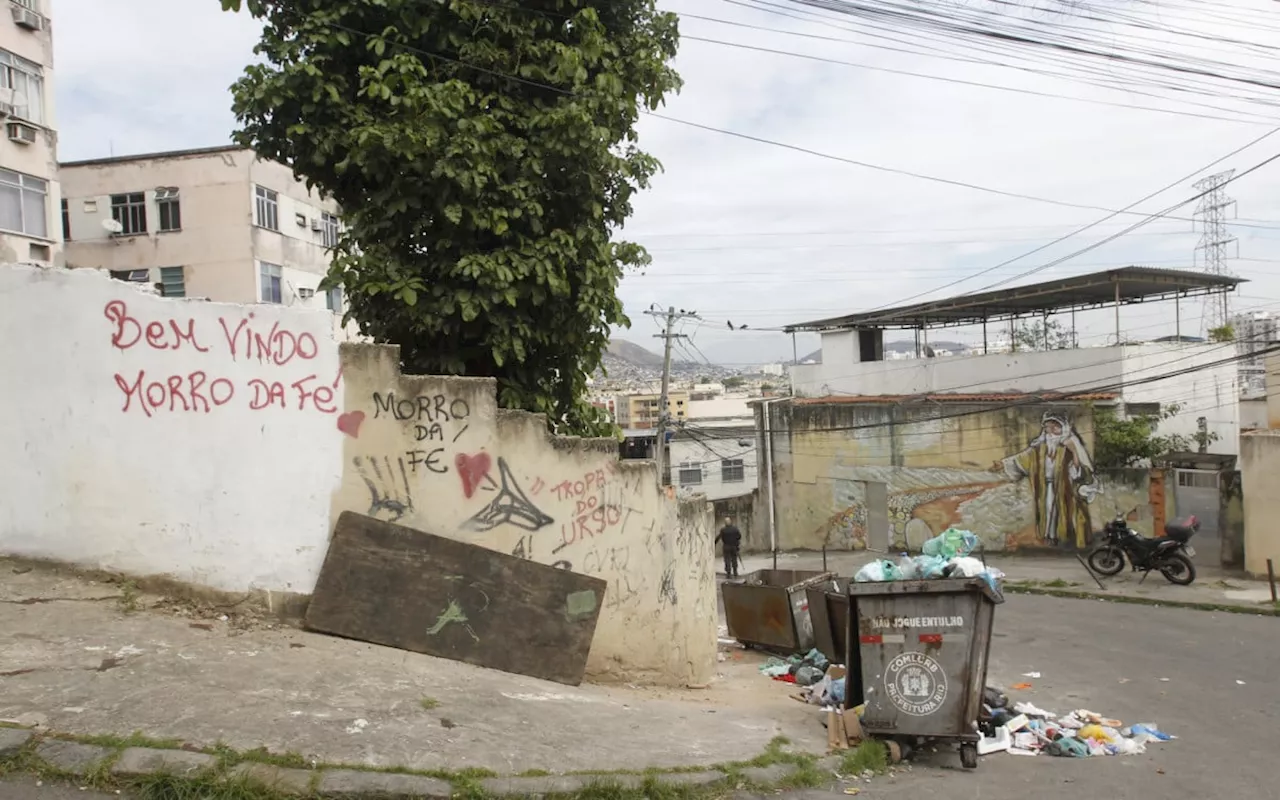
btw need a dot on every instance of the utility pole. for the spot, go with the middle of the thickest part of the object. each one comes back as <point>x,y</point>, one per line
<point>664,413</point>
<point>1214,240</point>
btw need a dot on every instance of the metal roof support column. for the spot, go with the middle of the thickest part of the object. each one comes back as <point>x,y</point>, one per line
<point>984,334</point>
<point>1013,339</point>
<point>1044,327</point>
<point>1075,340</point>
<point>1117,313</point>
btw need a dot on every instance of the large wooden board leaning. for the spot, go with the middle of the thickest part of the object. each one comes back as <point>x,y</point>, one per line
<point>391,585</point>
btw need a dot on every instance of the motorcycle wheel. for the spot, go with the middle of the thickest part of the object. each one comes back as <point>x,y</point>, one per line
<point>1106,560</point>
<point>1178,569</point>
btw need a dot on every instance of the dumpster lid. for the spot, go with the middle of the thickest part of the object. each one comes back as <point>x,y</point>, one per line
<point>936,586</point>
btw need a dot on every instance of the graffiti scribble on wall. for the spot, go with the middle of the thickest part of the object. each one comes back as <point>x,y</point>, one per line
<point>389,497</point>
<point>509,507</point>
<point>1059,470</point>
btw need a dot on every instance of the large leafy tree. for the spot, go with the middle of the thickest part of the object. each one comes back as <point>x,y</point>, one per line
<point>484,154</point>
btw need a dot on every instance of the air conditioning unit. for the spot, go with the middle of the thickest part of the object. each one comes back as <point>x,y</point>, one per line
<point>21,132</point>
<point>26,18</point>
<point>306,294</point>
<point>315,224</point>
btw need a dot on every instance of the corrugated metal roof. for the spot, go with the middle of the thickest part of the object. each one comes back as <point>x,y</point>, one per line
<point>989,397</point>
<point>1124,285</point>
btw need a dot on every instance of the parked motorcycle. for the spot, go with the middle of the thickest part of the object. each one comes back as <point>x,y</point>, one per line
<point>1170,555</point>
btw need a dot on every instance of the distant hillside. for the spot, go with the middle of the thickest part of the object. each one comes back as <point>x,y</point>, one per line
<point>903,346</point>
<point>633,354</point>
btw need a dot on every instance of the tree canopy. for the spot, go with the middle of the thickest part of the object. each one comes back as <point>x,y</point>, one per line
<point>484,154</point>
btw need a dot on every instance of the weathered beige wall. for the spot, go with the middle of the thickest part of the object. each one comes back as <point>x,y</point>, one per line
<point>437,454</point>
<point>937,473</point>
<point>1259,466</point>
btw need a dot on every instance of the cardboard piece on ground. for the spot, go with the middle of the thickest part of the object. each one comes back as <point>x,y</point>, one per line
<point>853,727</point>
<point>396,586</point>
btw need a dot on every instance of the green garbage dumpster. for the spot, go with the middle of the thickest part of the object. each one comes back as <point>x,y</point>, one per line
<point>917,657</point>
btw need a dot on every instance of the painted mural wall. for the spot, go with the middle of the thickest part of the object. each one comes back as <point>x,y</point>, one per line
<point>1020,478</point>
<point>215,444</point>
<point>438,454</point>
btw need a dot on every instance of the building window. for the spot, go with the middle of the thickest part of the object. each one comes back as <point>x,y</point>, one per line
<point>23,206</point>
<point>690,474</point>
<point>24,79</point>
<point>268,205</point>
<point>333,299</point>
<point>173,283</point>
<point>732,470</point>
<point>272,282</point>
<point>170,210</point>
<point>66,221</point>
<point>329,229</point>
<point>130,210</point>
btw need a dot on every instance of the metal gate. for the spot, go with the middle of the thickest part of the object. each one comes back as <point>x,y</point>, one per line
<point>1195,492</point>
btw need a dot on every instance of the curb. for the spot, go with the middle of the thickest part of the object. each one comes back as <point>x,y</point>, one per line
<point>23,750</point>
<point>1087,594</point>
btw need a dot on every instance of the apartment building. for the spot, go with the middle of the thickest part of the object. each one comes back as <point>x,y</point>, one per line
<point>640,411</point>
<point>216,223</point>
<point>28,148</point>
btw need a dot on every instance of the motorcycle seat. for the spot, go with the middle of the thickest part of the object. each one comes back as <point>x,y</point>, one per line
<point>1179,533</point>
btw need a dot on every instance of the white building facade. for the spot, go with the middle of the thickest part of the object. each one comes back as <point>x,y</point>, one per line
<point>29,195</point>
<point>217,223</point>
<point>714,452</point>
<point>1201,379</point>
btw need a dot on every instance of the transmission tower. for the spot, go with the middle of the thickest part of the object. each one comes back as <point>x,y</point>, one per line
<point>1211,252</point>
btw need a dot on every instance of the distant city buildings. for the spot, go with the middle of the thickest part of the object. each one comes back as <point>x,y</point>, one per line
<point>1254,332</point>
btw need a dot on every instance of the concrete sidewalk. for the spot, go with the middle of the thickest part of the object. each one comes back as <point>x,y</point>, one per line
<point>73,659</point>
<point>1063,575</point>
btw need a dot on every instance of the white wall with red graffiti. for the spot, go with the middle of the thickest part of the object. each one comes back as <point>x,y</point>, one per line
<point>215,444</point>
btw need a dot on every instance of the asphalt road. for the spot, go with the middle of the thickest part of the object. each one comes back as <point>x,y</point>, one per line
<point>1206,677</point>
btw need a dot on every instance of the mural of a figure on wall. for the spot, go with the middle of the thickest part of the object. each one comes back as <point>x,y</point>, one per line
<point>1060,471</point>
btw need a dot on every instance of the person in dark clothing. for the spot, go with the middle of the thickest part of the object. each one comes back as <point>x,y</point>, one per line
<point>732,539</point>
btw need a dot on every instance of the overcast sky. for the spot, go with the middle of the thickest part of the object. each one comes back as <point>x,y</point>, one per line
<point>757,234</point>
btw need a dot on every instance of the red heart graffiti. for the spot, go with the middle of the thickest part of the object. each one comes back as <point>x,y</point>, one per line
<point>350,422</point>
<point>472,470</point>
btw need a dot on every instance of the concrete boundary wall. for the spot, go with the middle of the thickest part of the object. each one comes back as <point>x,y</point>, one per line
<point>214,444</point>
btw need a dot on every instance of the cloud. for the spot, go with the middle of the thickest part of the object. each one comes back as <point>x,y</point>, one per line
<point>763,235</point>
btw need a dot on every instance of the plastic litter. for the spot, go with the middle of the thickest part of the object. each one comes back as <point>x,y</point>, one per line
<point>1031,711</point>
<point>950,543</point>
<point>995,744</point>
<point>965,567</point>
<point>1150,729</point>
<point>878,571</point>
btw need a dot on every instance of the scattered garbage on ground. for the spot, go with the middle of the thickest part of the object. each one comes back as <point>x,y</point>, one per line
<point>804,670</point>
<point>1026,730</point>
<point>944,556</point>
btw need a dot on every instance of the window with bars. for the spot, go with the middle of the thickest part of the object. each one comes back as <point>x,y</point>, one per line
<point>130,210</point>
<point>268,208</point>
<point>66,221</point>
<point>690,474</point>
<point>23,203</point>
<point>732,470</point>
<point>26,79</point>
<point>173,282</point>
<point>169,208</point>
<point>329,229</point>
<point>272,282</point>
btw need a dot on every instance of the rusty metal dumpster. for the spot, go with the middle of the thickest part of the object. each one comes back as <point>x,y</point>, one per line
<point>769,609</point>
<point>829,611</point>
<point>917,656</point>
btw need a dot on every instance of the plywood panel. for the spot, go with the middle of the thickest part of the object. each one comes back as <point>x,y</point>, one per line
<point>396,586</point>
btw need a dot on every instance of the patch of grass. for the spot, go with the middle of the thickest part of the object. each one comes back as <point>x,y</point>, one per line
<point>429,703</point>
<point>774,753</point>
<point>261,755</point>
<point>534,773</point>
<point>129,596</point>
<point>869,756</point>
<point>1058,583</point>
<point>199,787</point>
